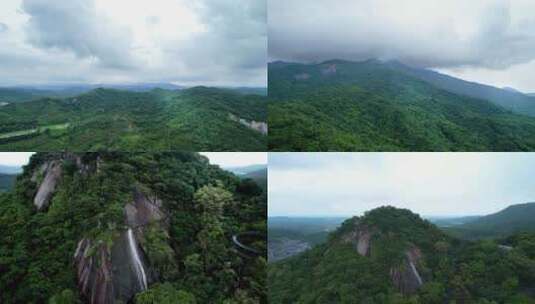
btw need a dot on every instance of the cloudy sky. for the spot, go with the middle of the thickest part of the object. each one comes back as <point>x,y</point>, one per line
<point>236,159</point>
<point>223,159</point>
<point>211,42</point>
<point>487,41</point>
<point>15,159</point>
<point>431,184</point>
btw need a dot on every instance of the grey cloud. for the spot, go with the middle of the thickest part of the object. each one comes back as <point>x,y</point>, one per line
<point>75,26</point>
<point>309,31</point>
<point>427,183</point>
<point>66,41</point>
<point>3,27</point>
<point>235,39</point>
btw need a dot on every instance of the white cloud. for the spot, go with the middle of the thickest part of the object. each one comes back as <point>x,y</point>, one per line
<point>15,158</point>
<point>99,41</point>
<point>490,34</point>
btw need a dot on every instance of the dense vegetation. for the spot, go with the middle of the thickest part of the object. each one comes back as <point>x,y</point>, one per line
<point>6,181</point>
<point>452,271</point>
<point>196,119</point>
<point>190,253</point>
<point>371,106</point>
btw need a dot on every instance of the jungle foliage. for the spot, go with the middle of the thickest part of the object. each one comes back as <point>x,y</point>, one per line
<point>453,271</point>
<point>196,119</point>
<point>195,261</point>
<point>370,106</point>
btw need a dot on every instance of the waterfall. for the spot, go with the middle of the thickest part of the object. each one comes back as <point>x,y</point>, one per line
<point>138,266</point>
<point>415,272</point>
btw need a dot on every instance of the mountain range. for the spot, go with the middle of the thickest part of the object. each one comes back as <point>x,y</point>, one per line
<point>513,219</point>
<point>387,106</point>
<point>194,119</point>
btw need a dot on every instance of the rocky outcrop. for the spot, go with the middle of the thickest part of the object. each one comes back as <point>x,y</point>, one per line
<point>143,210</point>
<point>258,126</point>
<point>107,275</point>
<point>406,277</point>
<point>360,238</point>
<point>120,272</point>
<point>50,173</point>
<point>94,270</point>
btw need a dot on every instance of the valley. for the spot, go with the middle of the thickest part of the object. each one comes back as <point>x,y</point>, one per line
<point>195,119</point>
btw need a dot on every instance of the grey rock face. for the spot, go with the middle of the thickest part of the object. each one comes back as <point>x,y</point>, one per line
<point>258,126</point>
<point>52,175</point>
<point>406,277</point>
<point>94,272</point>
<point>360,238</point>
<point>363,242</point>
<point>122,271</point>
<point>110,275</point>
<point>143,210</point>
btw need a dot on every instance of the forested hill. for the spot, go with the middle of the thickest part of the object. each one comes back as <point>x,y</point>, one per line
<point>376,106</point>
<point>6,181</point>
<point>513,219</point>
<point>391,255</point>
<point>196,119</point>
<point>131,228</point>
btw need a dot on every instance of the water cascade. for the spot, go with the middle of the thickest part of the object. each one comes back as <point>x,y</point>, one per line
<point>415,272</point>
<point>138,266</point>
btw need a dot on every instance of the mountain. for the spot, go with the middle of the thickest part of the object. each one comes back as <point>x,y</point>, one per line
<point>260,177</point>
<point>383,106</point>
<point>14,95</point>
<point>244,170</point>
<point>195,119</point>
<point>131,228</point>
<point>391,255</point>
<point>7,181</point>
<point>508,98</point>
<point>513,90</point>
<point>513,219</point>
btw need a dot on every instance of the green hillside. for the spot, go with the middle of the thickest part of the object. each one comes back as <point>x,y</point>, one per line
<point>130,228</point>
<point>260,177</point>
<point>371,106</point>
<point>196,119</point>
<point>513,219</point>
<point>391,255</point>
<point>6,181</point>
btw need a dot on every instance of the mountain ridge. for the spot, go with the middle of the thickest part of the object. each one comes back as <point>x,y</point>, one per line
<point>370,106</point>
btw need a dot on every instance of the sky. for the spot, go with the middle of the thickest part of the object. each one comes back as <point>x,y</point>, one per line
<point>223,159</point>
<point>431,184</point>
<point>486,41</point>
<point>15,159</point>
<point>202,42</point>
<point>236,159</point>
